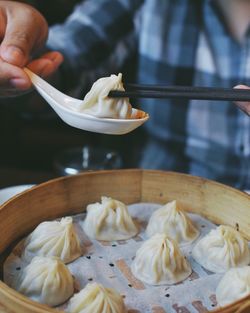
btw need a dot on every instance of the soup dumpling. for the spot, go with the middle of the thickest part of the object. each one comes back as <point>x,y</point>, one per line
<point>159,261</point>
<point>96,298</point>
<point>55,238</point>
<point>173,222</point>
<point>109,220</point>
<point>46,280</point>
<point>221,249</point>
<point>234,285</point>
<point>97,102</point>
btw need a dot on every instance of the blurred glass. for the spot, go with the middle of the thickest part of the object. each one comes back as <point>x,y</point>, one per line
<point>87,158</point>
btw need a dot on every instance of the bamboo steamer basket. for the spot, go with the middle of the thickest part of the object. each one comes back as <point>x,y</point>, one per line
<point>69,195</point>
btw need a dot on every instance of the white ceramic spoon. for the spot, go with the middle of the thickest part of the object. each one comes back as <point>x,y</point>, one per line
<point>67,108</point>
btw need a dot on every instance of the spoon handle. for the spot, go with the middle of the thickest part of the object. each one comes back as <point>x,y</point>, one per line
<point>52,95</point>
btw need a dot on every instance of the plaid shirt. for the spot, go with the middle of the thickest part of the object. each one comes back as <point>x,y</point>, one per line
<point>181,42</point>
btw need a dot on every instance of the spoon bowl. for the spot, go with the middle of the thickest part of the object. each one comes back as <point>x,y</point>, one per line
<point>67,109</point>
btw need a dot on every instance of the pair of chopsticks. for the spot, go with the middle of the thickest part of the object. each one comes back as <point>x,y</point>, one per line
<point>181,92</point>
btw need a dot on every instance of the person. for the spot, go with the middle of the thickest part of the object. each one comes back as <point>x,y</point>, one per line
<point>202,43</point>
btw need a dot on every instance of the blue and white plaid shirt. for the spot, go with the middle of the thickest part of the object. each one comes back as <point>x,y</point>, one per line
<point>181,42</point>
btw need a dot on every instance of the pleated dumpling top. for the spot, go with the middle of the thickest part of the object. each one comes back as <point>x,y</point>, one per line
<point>173,222</point>
<point>95,298</point>
<point>45,280</point>
<point>109,220</point>
<point>97,102</point>
<point>221,249</point>
<point>159,261</point>
<point>55,238</point>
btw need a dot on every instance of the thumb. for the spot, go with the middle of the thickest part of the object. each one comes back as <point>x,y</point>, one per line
<point>22,35</point>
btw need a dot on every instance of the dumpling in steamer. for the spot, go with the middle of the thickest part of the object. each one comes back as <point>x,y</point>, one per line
<point>96,298</point>
<point>173,222</point>
<point>54,238</point>
<point>46,280</point>
<point>159,261</point>
<point>109,220</point>
<point>221,249</point>
<point>234,285</point>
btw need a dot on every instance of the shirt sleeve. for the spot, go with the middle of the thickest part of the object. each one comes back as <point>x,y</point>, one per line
<point>92,32</point>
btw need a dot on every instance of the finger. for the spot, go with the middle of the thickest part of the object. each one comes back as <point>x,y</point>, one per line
<point>47,64</point>
<point>241,87</point>
<point>22,35</point>
<point>11,75</point>
<point>244,106</point>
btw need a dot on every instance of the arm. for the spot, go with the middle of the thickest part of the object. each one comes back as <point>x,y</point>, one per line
<point>92,32</point>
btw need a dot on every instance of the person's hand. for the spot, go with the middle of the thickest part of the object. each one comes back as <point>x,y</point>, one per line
<point>23,32</point>
<point>244,106</point>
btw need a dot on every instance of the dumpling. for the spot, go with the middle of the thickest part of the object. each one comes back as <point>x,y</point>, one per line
<point>96,298</point>
<point>159,261</point>
<point>234,285</point>
<point>46,280</point>
<point>54,238</point>
<point>97,102</point>
<point>221,249</point>
<point>109,220</point>
<point>173,222</point>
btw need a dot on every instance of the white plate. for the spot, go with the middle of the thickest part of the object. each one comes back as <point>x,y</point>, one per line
<point>7,193</point>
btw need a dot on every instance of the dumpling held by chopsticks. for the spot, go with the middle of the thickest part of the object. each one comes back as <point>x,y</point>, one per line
<point>97,102</point>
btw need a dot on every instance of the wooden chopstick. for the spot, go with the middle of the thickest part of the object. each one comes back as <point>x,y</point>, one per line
<point>182,92</point>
